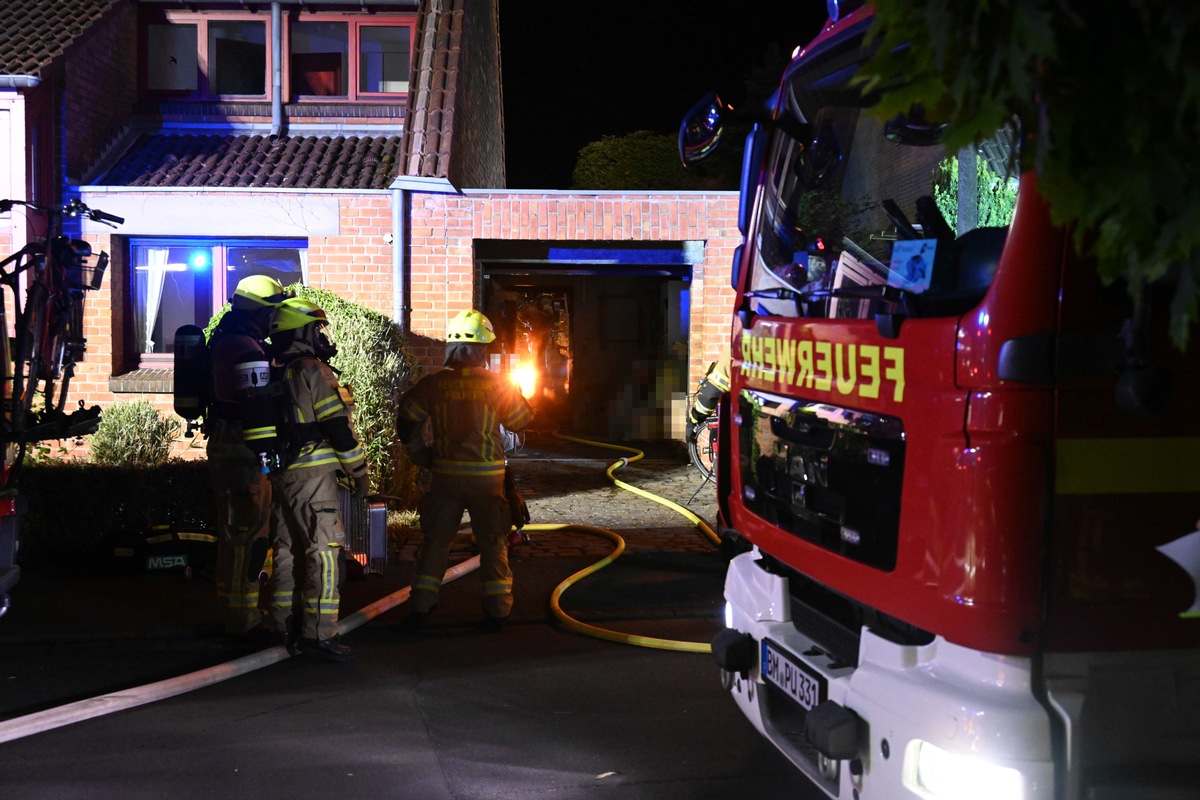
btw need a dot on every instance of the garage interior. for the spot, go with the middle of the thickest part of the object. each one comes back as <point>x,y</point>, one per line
<point>603,324</point>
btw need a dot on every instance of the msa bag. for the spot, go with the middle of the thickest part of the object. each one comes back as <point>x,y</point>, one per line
<point>193,375</point>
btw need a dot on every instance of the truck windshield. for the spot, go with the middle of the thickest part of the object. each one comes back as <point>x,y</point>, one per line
<point>872,212</point>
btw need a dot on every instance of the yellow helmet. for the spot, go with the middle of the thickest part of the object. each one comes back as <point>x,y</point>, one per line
<point>296,312</point>
<point>471,327</point>
<point>257,291</point>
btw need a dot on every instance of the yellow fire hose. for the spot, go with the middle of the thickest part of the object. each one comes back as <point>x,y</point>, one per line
<point>603,633</point>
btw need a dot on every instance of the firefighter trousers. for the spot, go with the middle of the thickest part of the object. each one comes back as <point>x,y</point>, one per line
<point>441,513</point>
<point>308,541</point>
<point>243,497</point>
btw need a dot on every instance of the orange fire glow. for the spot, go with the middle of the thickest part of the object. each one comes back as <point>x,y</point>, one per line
<point>525,377</point>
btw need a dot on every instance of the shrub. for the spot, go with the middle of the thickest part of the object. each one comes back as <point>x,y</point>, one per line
<point>647,160</point>
<point>132,434</point>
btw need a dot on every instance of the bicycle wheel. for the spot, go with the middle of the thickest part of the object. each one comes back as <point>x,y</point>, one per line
<point>702,449</point>
<point>29,354</point>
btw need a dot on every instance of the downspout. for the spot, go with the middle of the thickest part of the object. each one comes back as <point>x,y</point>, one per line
<point>402,188</point>
<point>401,312</point>
<point>276,69</point>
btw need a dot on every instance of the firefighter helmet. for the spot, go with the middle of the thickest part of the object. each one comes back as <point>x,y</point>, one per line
<point>470,327</point>
<point>257,291</point>
<point>295,313</point>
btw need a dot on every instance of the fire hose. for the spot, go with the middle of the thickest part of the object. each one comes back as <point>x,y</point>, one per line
<point>90,708</point>
<point>603,633</point>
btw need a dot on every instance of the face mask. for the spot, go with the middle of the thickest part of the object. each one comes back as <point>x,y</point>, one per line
<point>323,345</point>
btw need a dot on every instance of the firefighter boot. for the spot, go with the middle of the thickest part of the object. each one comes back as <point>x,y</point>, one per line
<point>415,622</point>
<point>330,649</point>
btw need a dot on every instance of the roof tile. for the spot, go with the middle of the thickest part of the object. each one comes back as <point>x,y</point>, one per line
<point>34,32</point>
<point>294,162</point>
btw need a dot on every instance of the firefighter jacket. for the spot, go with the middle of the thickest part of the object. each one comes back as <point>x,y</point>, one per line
<point>240,379</point>
<point>320,434</point>
<point>710,389</point>
<point>467,406</point>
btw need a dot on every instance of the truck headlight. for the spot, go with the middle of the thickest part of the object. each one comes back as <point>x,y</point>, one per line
<point>942,775</point>
<point>728,615</point>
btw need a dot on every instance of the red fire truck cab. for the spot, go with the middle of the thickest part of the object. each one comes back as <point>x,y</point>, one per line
<point>967,472</point>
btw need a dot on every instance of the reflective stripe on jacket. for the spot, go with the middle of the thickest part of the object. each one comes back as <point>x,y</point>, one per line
<point>317,402</point>
<point>467,406</point>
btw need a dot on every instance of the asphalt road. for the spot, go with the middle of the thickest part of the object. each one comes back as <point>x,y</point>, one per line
<point>532,712</point>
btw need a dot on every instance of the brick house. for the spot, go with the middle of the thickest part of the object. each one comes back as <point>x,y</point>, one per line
<point>359,147</point>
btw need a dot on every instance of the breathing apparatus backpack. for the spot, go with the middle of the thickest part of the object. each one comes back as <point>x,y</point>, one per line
<point>193,376</point>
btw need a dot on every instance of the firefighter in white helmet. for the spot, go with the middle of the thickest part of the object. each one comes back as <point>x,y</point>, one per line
<point>239,371</point>
<point>320,443</point>
<point>467,404</point>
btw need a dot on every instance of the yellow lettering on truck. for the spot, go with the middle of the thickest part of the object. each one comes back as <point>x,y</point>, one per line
<point>869,369</point>
<point>895,372</point>
<point>785,354</point>
<point>846,373</point>
<point>821,376</point>
<point>804,363</point>
<point>848,369</point>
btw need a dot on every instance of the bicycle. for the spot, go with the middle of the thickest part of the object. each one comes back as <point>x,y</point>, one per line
<point>702,446</point>
<point>48,338</point>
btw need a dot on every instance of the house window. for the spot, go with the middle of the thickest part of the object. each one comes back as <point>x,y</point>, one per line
<point>384,55</point>
<point>179,282</point>
<point>171,63</point>
<point>237,57</point>
<point>202,56</point>
<point>321,64</point>
<point>320,57</point>
<point>205,56</point>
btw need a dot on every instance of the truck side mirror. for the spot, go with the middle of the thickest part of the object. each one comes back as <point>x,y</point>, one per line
<point>702,129</point>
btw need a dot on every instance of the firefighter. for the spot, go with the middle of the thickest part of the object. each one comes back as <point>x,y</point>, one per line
<point>239,366</point>
<point>319,443</point>
<point>466,404</point>
<point>708,394</point>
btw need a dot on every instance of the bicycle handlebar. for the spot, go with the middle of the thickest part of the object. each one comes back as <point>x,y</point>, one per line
<point>101,216</point>
<point>73,208</point>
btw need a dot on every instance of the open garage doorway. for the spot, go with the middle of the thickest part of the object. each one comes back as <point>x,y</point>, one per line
<point>609,341</point>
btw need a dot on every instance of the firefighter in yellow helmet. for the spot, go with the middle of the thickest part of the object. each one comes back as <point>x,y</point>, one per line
<point>467,404</point>
<point>320,443</point>
<point>239,370</point>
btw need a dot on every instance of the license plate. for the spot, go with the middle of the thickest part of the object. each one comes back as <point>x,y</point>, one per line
<point>795,680</point>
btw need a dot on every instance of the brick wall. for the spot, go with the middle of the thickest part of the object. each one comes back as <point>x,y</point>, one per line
<point>357,263</point>
<point>99,89</point>
<point>444,277</point>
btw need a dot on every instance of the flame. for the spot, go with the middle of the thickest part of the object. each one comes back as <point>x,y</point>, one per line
<point>525,377</point>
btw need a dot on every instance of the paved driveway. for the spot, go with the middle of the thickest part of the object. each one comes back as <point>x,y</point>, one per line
<point>534,711</point>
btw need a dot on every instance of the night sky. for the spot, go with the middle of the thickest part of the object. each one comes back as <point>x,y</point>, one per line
<point>575,71</point>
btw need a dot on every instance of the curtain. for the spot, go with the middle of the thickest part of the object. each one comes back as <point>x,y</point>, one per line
<point>156,276</point>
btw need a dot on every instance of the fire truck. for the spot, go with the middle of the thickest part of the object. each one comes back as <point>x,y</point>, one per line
<point>965,473</point>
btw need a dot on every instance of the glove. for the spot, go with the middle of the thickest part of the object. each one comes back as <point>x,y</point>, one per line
<point>362,487</point>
